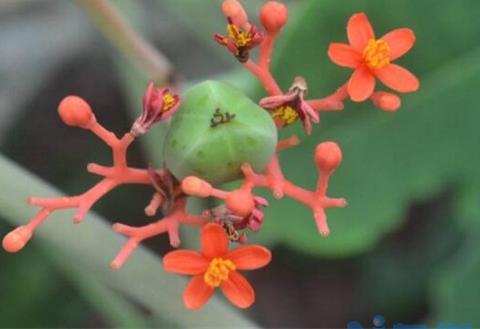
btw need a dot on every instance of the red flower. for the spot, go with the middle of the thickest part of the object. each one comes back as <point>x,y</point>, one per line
<point>239,41</point>
<point>371,58</point>
<point>158,104</point>
<point>216,266</point>
<point>288,108</point>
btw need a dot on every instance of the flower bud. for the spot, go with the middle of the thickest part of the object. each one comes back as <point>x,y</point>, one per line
<point>240,202</point>
<point>328,156</point>
<point>17,239</point>
<point>273,16</point>
<point>195,186</point>
<point>386,101</point>
<point>234,10</point>
<point>75,112</point>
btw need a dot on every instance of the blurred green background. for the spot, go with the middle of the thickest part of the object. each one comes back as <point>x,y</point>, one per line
<point>406,246</point>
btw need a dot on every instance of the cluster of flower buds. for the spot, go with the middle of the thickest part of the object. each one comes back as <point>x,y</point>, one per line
<point>241,210</point>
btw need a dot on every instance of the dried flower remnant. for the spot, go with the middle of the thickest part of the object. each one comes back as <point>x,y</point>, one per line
<point>158,104</point>
<point>286,109</point>
<point>230,137</point>
<point>239,41</point>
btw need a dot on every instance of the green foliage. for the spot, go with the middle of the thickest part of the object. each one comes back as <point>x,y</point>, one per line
<point>390,160</point>
<point>455,289</point>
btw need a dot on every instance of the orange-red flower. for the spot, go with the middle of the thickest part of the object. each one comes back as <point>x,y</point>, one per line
<point>371,58</point>
<point>216,266</point>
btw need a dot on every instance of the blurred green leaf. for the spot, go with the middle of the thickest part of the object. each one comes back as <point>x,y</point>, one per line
<point>455,289</point>
<point>389,159</point>
<point>427,240</point>
<point>26,282</point>
<point>192,13</point>
<point>90,247</point>
<point>117,311</point>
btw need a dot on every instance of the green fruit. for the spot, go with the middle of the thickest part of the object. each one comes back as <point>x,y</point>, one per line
<point>215,131</point>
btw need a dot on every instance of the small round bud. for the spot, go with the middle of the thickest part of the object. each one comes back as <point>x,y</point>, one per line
<point>328,156</point>
<point>75,112</point>
<point>195,186</point>
<point>234,10</point>
<point>273,16</point>
<point>240,202</point>
<point>17,239</point>
<point>386,101</point>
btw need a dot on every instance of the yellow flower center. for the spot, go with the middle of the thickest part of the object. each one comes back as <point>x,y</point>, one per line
<point>286,113</point>
<point>376,54</point>
<point>241,38</point>
<point>218,271</point>
<point>168,102</point>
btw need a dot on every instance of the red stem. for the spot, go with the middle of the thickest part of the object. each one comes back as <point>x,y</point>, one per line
<point>169,224</point>
<point>114,176</point>
<point>333,102</point>
<point>265,78</point>
<point>265,51</point>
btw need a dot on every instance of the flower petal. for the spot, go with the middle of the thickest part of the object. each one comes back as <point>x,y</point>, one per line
<point>185,262</point>
<point>238,290</point>
<point>214,241</point>
<point>359,31</point>
<point>197,293</point>
<point>400,42</point>
<point>361,84</point>
<point>344,55</point>
<point>272,102</point>
<point>398,78</point>
<point>250,257</point>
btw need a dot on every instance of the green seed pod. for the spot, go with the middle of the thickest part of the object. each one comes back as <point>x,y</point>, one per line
<point>216,130</point>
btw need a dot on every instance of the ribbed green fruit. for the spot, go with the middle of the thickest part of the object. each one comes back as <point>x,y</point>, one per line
<point>203,141</point>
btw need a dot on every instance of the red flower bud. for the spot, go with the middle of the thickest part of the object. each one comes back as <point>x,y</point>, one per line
<point>273,16</point>
<point>17,239</point>
<point>386,101</point>
<point>240,202</point>
<point>234,10</point>
<point>75,112</point>
<point>195,186</point>
<point>328,156</point>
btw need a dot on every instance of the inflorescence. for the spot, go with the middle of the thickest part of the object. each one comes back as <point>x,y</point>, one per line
<point>240,210</point>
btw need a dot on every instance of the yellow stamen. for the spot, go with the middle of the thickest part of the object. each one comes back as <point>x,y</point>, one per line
<point>286,113</point>
<point>168,102</point>
<point>241,38</point>
<point>376,54</point>
<point>218,271</point>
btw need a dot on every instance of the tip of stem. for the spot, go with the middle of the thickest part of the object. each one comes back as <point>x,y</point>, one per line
<point>195,186</point>
<point>16,239</point>
<point>116,265</point>
<point>149,211</point>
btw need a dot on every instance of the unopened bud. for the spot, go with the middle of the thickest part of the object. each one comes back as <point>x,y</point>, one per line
<point>240,202</point>
<point>386,101</point>
<point>195,186</point>
<point>328,156</point>
<point>75,112</point>
<point>17,239</point>
<point>234,10</point>
<point>273,16</point>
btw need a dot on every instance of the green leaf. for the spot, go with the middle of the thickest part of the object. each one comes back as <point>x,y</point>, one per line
<point>455,289</point>
<point>24,283</point>
<point>89,247</point>
<point>390,160</point>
